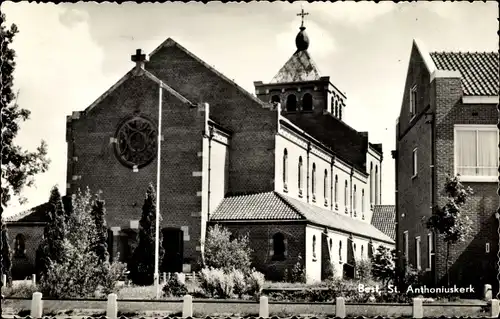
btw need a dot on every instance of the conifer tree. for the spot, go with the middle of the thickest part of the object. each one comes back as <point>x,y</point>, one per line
<point>142,263</point>
<point>6,262</point>
<point>52,246</point>
<point>100,245</point>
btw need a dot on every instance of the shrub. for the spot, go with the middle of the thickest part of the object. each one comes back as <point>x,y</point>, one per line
<point>21,290</point>
<point>383,265</point>
<point>364,269</point>
<point>240,282</point>
<point>216,283</point>
<point>255,282</point>
<point>174,287</point>
<point>298,273</point>
<point>222,252</point>
<point>112,273</point>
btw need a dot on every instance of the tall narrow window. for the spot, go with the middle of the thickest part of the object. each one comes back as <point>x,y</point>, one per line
<point>331,245</point>
<point>476,152</point>
<point>19,246</point>
<point>371,183</point>
<point>362,251</point>
<point>340,111</point>
<point>363,203</point>
<point>285,168</point>
<point>346,197</point>
<point>314,247</point>
<point>354,200</point>
<point>414,163</point>
<point>336,108</point>
<point>325,187</point>
<point>336,191</point>
<point>332,107</point>
<point>307,102</point>
<point>413,101</point>
<point>313,182</point>
<point>291,103</point>
<point>340,250</point>
<point>300,175</point>
<point>405,245</point>
<point>417,253</point>
<point>430,252</point>
<point>279,246</point>
<point>376,185</point>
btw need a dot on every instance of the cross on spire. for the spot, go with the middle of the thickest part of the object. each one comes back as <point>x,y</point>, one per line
<point>302,14</point>
<point>139,58</point>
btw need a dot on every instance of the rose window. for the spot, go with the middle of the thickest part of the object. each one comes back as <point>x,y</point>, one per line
<point>136,142</point>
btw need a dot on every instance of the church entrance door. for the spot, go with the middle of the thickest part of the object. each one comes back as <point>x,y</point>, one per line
<point>173,244</point>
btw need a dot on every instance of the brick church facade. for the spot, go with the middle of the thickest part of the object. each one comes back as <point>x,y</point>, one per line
<point>280,166</point>
<point>447,126</point>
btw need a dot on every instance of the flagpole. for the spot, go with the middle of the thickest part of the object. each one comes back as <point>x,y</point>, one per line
<point>157,224</point>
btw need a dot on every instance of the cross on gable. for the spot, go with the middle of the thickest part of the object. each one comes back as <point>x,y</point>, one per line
<point>302,14</point>
<point>138,57</point>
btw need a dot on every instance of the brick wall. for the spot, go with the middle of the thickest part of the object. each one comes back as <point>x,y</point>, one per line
<point>24,266</point>
<point>260,235</point>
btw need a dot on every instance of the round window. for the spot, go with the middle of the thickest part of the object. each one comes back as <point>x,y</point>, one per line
<point>136,142</point>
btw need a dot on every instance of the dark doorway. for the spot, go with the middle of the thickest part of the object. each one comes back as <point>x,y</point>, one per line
<point>173,244</point>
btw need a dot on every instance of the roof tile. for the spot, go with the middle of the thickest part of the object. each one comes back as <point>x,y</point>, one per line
<point>300,67</point>
<point>383,218</point>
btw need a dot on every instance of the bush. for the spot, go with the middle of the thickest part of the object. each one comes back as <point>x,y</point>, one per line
<point>174,287</point>
<point>112,273</point>
<point>21,290</point>
<point>298,273</point>
<point>255,282</point>
<point>383,265</point>
<point>216,283</point>
<point>240,282</point>
<point>364,269</point>
<point>222,252</point>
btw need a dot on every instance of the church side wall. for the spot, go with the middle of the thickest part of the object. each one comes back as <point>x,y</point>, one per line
<point>313,261</point>
<point>97,167</point>
<point>337,243</point>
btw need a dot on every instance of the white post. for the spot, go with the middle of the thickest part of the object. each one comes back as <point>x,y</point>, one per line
<point>264,307</point>
<point>157,226</point>
<point>33,279</point>
<point>495,308</point>
<point>487,293</point>
<point>112,307</point>
<point>4,279</point>
<point>418,309</point>
<point>164,277</point>
<point>187,306</point>
<point>37,305</point>
<point>340,307</point>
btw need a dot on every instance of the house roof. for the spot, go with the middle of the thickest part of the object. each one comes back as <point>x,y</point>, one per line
<point>335,134</point>
<point>479,70</point>
<point>300,67</point>
<point>383,219</point>
<point>274,206</point>
<point>35,214</point>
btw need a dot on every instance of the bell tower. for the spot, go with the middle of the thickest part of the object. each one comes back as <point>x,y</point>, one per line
<point>299,87</point>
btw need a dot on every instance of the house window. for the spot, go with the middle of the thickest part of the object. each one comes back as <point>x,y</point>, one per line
<point>362,200</point>
<point>285,168</point>
<point>340,250</point>
<point>376,185</point>
<point>405,245</point>
<point>314,247</point>
<point>429,250</point>
<point>371,183</point>
<point>354,200</point>
<point>307,102</point>
<point>340,111</point>
<point>487,248</point>
<point>417,253</point>
<point>362,251</point>
<point>414,163</point>
<point>291,103</point>
<point>413,101</point>
<point>279,247</point>
<point>332,107</point>
<point>336,108</point>
<point>345,196</point>
<point>476,152</point>
<point>300,175</point>
<point>336,190</point>
<point>313,182</point>
<point>19,246</point>
<point>325,186</point>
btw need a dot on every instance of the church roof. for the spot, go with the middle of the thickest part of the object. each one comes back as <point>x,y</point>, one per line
<point>479,70</point>
<point>273,206</point>
<point>300,67</point>
<point>342,139</point>
<point>383,219</point>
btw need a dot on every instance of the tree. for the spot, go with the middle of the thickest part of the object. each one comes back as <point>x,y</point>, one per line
<point>141,266</point>
<point>222,252</point>
<point>383,265</point>
<point>6,263</point>
<point>18,166</point>
<point>449,222</point>
<point>100,245</point>
<point>55,232</point>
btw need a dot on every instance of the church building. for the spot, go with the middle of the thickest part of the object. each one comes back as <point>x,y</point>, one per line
<point>280,166</point>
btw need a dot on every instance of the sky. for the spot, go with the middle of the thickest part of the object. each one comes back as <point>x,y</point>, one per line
<point>70,54</point>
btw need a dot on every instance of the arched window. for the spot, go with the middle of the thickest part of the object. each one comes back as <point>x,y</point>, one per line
<point>371,183</point>
<point>300,175</point>
<point>331,244</point>
<point>307,102</point>
<point>354,247</point>
<point>345,196</point>
<point>279,246</point>
<point>314,246</point>
<point>376,185</point>
<point>362,200</point>
<point>340,111</point>
<point>285,167</point>
<point>291,103</point>
<point>336,108</point>
<point>336,190</point>
<point>275,100</point>
<point>332,107</point>
<point>354,200</point>
<point>19,246</point>
<point>313,181</point>
<point>325,185</point>
<point>340,250</point>
<point>362,250</point>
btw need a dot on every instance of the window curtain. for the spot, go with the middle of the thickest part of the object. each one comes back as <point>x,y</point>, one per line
<point>466,153</point>
<point>487,153</point>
